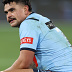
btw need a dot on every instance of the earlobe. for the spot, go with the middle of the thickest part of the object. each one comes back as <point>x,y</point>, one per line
<point>24,9</point>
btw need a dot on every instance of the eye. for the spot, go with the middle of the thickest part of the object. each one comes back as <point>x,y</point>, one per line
<point>12,9</point>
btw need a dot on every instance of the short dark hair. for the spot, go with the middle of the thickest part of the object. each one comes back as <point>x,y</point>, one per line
<point>25,2</point>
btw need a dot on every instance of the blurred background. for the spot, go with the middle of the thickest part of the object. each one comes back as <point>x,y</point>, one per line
<point>59,11</point>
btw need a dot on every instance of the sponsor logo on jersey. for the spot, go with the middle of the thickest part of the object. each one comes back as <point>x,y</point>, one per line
<point>28,40</point>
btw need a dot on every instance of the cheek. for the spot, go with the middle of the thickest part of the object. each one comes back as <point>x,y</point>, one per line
<point>20,15</point>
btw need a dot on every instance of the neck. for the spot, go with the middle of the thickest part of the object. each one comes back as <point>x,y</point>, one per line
<point>28,14</point>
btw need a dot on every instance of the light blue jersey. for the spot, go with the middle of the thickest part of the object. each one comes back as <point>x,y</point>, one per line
<point>52,49</point>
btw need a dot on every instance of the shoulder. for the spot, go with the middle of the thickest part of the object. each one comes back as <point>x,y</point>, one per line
<point>29,23</point>
<point>29,26</point>
<point>34,22</point>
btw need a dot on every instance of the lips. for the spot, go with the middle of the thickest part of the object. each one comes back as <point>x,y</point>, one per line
<point>11,20</point>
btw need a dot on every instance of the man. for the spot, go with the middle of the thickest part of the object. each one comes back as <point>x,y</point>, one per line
<point>41,41</point>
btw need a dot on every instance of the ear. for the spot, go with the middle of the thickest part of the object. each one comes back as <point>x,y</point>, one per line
<point>26,8</point>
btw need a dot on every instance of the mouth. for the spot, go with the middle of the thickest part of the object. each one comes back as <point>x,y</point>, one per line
<point>11,20</point>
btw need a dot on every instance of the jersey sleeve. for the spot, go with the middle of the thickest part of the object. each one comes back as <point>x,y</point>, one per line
<point>28,36</point>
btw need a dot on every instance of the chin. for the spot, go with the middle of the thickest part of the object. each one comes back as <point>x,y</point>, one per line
<point>15,25</point>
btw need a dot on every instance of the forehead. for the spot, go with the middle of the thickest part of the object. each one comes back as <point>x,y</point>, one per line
<point>11,5</point>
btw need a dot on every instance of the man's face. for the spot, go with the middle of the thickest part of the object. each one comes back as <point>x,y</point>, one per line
<point>15,13</point>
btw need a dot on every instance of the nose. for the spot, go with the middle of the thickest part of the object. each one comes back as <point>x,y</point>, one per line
<point>9,15</point>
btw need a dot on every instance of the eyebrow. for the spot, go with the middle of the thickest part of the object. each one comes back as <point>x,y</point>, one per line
<point>9,10</point>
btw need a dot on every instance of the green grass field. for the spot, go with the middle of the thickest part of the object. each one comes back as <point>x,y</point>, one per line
<point>9,45</point>
<point>10,42</point>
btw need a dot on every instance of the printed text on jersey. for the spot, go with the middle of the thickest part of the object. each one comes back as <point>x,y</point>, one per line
<point>28,40</point>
